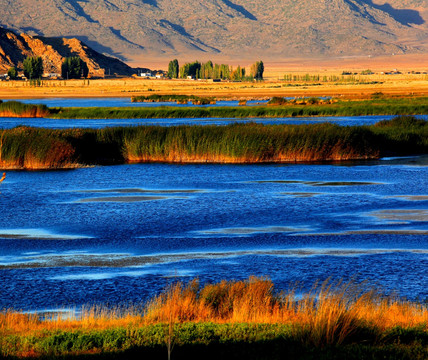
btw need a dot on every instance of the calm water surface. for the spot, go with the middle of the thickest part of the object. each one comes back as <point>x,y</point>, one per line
<point>7,123</point>
<point>120,234</point>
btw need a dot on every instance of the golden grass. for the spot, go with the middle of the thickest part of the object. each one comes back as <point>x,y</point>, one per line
<point>390,85</point>
<point>15,323</point>
<point>254,301</point>
<point>327,315</point>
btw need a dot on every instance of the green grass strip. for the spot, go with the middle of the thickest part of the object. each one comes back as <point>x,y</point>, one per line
<point>217,341</point>
<point>418,106</point>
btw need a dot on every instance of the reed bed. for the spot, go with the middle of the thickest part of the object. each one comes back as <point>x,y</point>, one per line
<point>18,109</point>
<point>330,311</point>
<point>36,148</point>
<point>401,106</point>
<point>239,316</point>
<point>281,108</point>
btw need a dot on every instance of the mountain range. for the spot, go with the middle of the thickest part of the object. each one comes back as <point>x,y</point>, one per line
<point>137,30</point>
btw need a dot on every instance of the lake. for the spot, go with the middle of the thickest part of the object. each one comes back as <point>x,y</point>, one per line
<point>7,123</point>
<point>119,234</point>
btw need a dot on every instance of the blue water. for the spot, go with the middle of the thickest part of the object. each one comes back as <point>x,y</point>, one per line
<point>7,123</point>
<point>120,234</point>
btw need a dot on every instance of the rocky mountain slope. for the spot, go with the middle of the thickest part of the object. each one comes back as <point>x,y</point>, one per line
<point>144,29</point>
<point>15,48</point>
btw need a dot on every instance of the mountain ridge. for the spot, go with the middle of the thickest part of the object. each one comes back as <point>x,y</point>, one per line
<point>141,29</point>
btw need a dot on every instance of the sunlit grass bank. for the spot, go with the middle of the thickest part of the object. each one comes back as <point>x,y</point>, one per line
<point>18,109</point>
<point>37,148</point>
<point>402,106</point>
<point>231,319</point>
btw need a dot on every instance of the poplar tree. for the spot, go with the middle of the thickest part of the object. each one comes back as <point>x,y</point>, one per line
<point>74,68</point>
<point>173,69</point>
<point>33,67</point>
<point>12,73</point>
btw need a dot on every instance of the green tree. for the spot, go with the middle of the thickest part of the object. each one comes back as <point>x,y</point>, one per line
<point>74,68</point>
<point>190,69</point>
<point>260,70</point>
<point>207,70</point>
<point>224,71</point>
<point>33,67</point>
<point>12,73</point>
<point>173,69</point>
<point>216,71</point>
<point>257,70</point>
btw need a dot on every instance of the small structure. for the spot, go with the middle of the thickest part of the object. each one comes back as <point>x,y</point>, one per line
<point>52,75</point>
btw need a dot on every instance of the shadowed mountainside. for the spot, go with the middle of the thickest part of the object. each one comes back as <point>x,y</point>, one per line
<point>15,48</point>
<point>249,28</point>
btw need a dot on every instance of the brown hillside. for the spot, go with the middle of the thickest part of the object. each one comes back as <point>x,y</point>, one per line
<point>248,29</point>
<point>15,48</point>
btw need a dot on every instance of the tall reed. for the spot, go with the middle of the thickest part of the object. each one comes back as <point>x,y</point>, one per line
<point>18,109</point>
<point>248,312</point>
<point>36,148</point>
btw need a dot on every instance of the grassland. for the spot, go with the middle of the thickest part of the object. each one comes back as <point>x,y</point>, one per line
<point>235,319</point>
<point>361,86</point>
<point>37,148</point>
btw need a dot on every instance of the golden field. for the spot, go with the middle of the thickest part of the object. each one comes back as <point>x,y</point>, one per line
<point>404,84</point>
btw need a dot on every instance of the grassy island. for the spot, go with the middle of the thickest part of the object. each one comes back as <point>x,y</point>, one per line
<point>37,148</point>
<point>179,99</point>
<point>276,108</point>
<point>382,106</point>
<point>229,320</point>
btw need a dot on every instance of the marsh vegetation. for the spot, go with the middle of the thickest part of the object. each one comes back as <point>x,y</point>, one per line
<point>33,148</point>
<point>297,108</point>
<point>230,319</point>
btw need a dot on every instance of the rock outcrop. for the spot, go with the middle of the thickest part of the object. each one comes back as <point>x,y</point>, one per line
<point>15,48</point>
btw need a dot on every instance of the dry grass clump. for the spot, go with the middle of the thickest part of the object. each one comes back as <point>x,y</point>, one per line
<point>330,312</point>
<point>248,313</point>
<point>324,311</point>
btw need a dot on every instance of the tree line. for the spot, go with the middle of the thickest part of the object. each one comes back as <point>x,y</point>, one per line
<point>72,68</point>
<point>209,70</point>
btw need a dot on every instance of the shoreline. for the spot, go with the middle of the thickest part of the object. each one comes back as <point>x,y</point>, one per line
<point>245,319</point>
<point>302,160</point>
